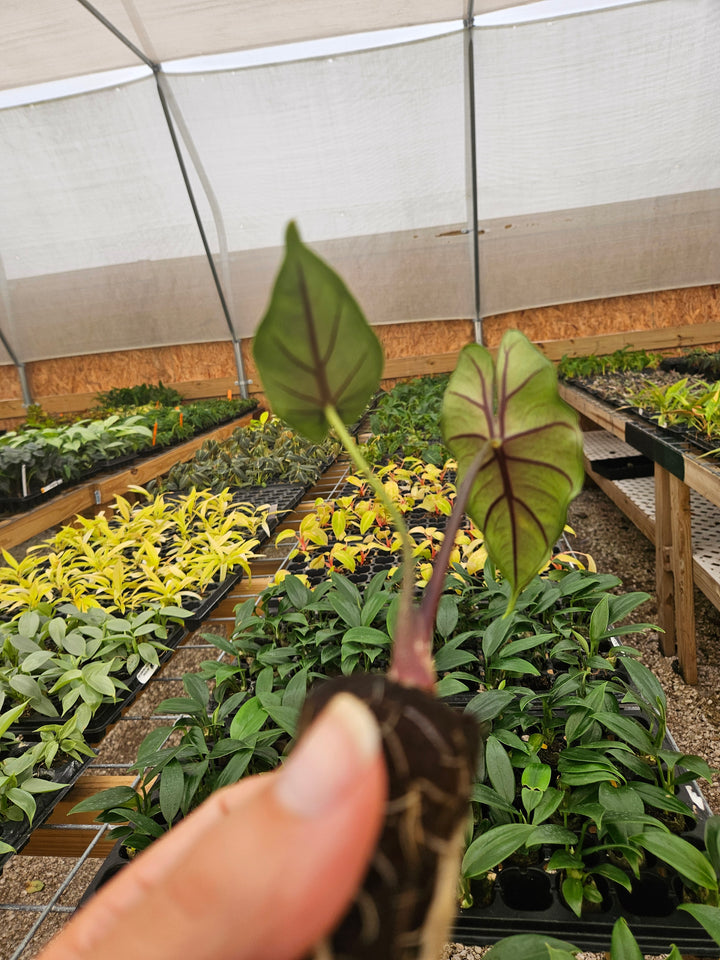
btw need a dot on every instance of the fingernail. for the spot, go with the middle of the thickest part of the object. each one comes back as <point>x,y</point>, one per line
<point>330,757</point>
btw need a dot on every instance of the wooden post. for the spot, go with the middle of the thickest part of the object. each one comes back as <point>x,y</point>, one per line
<point>682,563</point>
<point>663,561</point>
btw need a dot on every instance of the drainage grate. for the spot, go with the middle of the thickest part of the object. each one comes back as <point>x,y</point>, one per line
<point>601,445</point>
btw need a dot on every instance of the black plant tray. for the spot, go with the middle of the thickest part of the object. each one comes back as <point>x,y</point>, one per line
<point>624,468</point>
<point>107,713</point>
<point>17,833</point>
<point>283,496</point>
<point>112,864</point>
<point>529,901</point>
<point>20,504</point>
<point>211,599</point>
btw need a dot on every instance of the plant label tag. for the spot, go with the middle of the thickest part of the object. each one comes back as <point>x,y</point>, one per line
<point>697,800</point>
<point>51,486</point>
<point>145,672</point>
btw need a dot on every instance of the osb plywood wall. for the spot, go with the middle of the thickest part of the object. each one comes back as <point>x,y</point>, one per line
<point>667,308</point>
<point>215,361</point>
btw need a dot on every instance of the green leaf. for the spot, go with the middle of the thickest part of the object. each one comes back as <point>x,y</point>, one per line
<point>646,682</point>
<point>105,800</point>
<point>10,716</point>
<point>39,785</point>
<point>491,848</point>
<point>679,854</point>
<point>708,917</point>
<point>297,592</point>
<point>624,945</point>
<point>149,654</point>
<point>599,620</point>
<point>528,946</point>
<point>490,704</point>
<point>499,769</point>
<point>572,890</point>
<point>23,800</point>
<point>313,347</point>
<point>196,688</point>
<point>533,465</point>
<point>235,768</point>
<point>96,677</point>
<point>712,841</point>
<point>447,615</point>
<point>628,729</point>
<point>248,721</point>
<point>28,624</point>
<point>171,790</point>
<point>75,644</point>
<point>551,833</point>
<point>366,635</point>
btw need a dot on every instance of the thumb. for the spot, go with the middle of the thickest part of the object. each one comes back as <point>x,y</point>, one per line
<point>263,869</point>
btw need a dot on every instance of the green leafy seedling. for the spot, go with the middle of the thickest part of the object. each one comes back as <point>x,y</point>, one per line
<point>519,453</point>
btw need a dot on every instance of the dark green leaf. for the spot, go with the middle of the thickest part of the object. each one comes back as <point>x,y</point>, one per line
<point>171,790</point>
<point>708,917</point>
<point>528,946</point>
<point>681,855</point>
<point>624,945</point>
<point>491,848</point>
<point>314,348</point>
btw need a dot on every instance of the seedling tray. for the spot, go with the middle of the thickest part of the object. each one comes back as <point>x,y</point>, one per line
<point>108,713</point>
<point>281,497</point>
<point>529,901</point>
<point>624,468</point>
<point>17,833</point>
<point>211,599</point>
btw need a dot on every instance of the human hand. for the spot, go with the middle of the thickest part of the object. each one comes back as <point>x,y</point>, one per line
<point>263,870</point>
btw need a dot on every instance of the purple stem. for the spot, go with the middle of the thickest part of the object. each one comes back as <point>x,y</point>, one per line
<point>412,662</point>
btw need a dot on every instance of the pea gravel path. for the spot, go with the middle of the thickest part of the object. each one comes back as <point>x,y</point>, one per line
<point>694,713</point>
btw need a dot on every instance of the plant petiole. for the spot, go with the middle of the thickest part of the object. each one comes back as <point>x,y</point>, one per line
<point>408,582</point>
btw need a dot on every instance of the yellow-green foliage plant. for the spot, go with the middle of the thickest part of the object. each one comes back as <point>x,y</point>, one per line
<point>166,551</point>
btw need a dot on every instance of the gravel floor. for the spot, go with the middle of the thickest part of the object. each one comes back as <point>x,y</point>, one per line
<point>694,715</point>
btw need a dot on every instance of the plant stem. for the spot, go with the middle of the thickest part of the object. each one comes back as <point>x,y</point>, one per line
<point>433,591</point>
<point>408,581</point>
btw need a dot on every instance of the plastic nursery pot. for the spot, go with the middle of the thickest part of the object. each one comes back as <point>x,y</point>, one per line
<point>527,888</point>
<point>118,858</point>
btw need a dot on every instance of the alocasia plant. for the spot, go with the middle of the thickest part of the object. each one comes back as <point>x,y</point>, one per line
<point>519,451</point>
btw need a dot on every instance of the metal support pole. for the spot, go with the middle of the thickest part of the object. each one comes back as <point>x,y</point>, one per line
<point>242,382</point>
<point>19,365</point>
<point>156,69</point>
<point>471,164</point>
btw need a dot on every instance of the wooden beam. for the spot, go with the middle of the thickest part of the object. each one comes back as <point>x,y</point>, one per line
<point>419,366</point>
<point>657,338</point>
<point>682,567</point>
<point>600,413</point>
<point>663,562</point>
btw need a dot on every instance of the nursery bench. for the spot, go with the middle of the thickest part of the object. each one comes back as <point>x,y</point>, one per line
<point>682,487</point>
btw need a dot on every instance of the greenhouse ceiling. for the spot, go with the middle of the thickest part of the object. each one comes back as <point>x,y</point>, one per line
<point>474,161</point>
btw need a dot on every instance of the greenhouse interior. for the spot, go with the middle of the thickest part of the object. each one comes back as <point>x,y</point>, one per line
<point>360,479</point>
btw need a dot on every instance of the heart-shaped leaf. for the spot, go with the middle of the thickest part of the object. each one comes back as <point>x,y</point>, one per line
<point>314,348</point>
<point>533,464</point>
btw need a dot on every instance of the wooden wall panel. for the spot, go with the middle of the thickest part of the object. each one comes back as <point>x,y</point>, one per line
<point>643,311</point>
<point>435,341</point>
<point>102,371</point>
